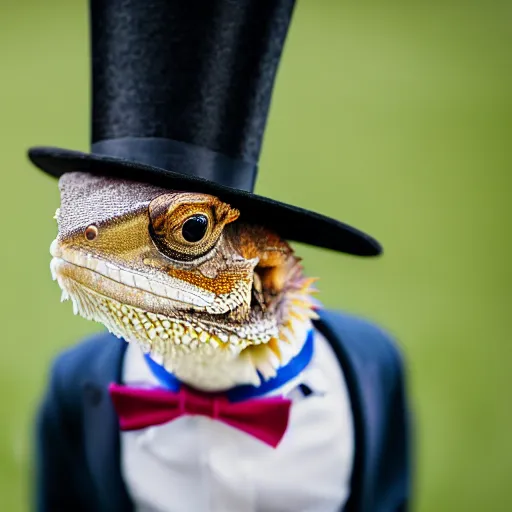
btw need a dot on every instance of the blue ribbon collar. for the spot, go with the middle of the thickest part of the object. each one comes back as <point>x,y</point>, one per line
<point>246,391</point>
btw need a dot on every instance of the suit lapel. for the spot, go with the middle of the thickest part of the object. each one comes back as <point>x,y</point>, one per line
<point>101,430</point>
<point>361,374</point>
<point>374,376</point>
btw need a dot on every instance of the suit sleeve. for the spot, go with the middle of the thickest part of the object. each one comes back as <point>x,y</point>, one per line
<point>59,464</point>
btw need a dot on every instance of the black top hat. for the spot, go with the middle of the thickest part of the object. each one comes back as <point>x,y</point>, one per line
<point>181,91</point>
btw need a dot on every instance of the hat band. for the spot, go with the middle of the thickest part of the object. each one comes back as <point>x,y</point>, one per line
<point>181,157</point>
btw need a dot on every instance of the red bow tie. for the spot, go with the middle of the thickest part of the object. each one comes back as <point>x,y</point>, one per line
<point>264,418</point>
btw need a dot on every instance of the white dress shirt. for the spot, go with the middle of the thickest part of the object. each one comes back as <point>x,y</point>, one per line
<point>198,464</point>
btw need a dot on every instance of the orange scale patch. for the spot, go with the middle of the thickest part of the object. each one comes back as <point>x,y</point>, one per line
<point>224,282</point>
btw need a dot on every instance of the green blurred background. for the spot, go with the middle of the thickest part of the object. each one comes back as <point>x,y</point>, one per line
<point>393,116</point>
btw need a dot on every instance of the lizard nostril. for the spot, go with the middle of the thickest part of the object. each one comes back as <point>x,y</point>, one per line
<point>91,232</point>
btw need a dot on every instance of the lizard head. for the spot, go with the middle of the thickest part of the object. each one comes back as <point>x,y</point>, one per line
<point>216,301</point>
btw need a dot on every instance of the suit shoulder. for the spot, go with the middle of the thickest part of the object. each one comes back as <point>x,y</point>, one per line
<point>367,339</point>
<point>75,365</point>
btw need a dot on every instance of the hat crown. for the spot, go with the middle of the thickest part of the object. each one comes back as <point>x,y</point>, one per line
<point>181,90</point>
<point>197,71</point>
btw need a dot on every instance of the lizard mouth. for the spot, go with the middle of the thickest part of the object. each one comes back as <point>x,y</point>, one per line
<point>157,315</point>
<point>134,323</point>
<point>128,285</point>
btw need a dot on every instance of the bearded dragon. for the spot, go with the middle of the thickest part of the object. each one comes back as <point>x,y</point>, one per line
<point>216,301</point>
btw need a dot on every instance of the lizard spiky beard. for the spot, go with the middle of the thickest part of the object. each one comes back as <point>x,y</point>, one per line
<point>212,299</point>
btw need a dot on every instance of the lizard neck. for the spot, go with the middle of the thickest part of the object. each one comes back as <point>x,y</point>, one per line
<point>209,370</point>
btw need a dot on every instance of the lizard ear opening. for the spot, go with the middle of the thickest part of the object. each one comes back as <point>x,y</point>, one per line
<point>186,226</point>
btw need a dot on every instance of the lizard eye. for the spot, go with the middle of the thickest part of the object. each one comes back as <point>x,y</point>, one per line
<point>194,228</point>
<point>185,226</point>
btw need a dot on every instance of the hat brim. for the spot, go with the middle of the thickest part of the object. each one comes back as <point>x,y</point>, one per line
<point>290,222</point>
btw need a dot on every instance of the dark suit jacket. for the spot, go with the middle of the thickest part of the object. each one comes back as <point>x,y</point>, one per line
<point>78,466</point>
